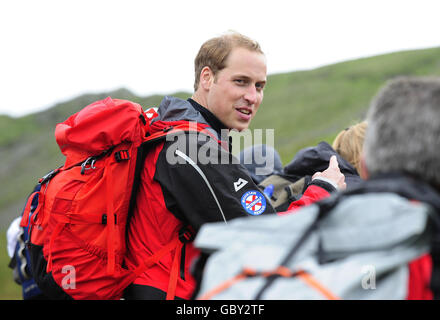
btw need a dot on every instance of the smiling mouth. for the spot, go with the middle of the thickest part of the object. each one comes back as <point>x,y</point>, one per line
<point>244,111</point>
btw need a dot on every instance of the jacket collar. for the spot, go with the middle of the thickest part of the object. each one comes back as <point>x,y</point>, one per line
<point>212,120</point>
<point>403,185</point>
<point>173,109</point>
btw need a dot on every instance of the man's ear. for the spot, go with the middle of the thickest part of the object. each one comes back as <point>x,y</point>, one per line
<point>363,167</point>
<point>206,78</point>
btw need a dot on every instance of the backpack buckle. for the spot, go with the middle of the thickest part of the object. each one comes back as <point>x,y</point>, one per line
<point>104,219</point>
<point>144,121</point>
<point>122,155</point>
<point>186,234</point>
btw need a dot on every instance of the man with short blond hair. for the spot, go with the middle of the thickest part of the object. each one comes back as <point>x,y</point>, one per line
<point>179,192</point>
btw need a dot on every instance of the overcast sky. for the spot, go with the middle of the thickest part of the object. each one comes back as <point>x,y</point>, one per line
<point>54,50</point>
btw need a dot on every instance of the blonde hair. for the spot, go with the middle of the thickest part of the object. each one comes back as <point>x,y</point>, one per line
<point>214,52</point>
<point>349,142</point>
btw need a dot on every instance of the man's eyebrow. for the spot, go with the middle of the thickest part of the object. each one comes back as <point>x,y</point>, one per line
<point>245,77</point>
<point>242,76</point>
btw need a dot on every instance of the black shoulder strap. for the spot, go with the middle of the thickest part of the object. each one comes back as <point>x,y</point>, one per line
<point>325,206</point>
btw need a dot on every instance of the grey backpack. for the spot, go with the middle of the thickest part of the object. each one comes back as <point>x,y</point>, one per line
<point>344,247</point>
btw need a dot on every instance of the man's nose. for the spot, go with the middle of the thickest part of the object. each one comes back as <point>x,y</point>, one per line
<point>251,95</point>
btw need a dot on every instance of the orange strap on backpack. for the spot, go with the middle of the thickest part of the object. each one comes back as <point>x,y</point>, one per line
<point>185,235</point>
<point>280,271</point>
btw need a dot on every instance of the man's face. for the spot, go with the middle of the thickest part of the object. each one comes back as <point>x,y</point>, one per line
<point>236,92</point>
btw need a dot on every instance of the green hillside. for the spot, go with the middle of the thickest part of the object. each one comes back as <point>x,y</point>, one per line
<point>302,107</point>
<point>309,106</point>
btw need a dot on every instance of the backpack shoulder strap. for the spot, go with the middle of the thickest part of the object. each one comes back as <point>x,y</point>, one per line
<point>186,234</point>
<point>151,140</point>
<point>325,207</point>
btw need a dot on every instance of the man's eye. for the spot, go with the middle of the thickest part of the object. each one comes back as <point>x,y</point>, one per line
<point>239,81</point>
<point>259,86</point>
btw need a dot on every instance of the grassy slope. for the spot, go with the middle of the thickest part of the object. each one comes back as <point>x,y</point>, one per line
<point>9,290</point>
<point>310,106</point>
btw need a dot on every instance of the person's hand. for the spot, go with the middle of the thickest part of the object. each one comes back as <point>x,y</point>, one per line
<point>333,174</point>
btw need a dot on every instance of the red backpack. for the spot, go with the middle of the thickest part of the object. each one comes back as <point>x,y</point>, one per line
<point>78,228</point>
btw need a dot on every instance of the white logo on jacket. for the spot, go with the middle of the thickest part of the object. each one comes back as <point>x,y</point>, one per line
<point>240,183</point>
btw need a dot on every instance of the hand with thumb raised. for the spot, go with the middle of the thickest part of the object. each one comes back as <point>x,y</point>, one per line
<point>333,174</point>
